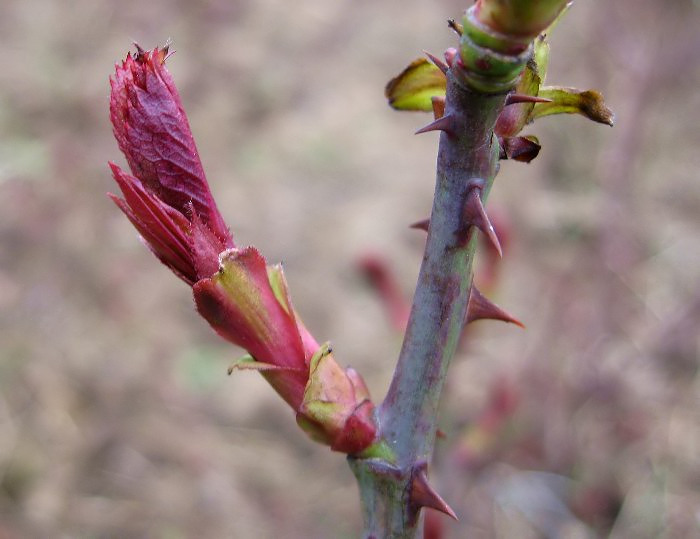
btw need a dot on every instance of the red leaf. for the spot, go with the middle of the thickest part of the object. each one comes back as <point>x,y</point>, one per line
<point>152,130</point>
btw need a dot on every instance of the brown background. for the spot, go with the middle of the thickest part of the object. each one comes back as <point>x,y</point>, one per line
<point>116,416</point>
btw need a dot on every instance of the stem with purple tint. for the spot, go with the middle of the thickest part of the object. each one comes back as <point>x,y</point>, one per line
<point>496,41</point>
<point>467,156</point>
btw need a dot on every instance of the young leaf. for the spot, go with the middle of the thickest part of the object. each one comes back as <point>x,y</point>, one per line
<point>415,86</point>
<point>588,103</point>
<point>523,149</point>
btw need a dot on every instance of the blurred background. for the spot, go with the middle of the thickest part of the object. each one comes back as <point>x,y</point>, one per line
<point>117,418</point>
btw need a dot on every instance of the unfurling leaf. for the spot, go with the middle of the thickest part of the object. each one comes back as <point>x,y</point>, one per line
<point>523,149</point>
<point>241,306</point>
<point>589,103</point>
<point>336,409</point>
<point>168,200</point>
<point>415,86</point>
<point>152,131</point>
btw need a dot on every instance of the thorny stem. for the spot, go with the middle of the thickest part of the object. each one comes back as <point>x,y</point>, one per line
<point>442,292</point>
<point>492,54</point>
<point>408,415</point>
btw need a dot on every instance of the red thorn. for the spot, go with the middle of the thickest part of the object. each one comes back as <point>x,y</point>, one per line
<point>475,214</point>
<point>421,225</point>
<point>424,495</point>
<point>511,99</point>
<point>439,433</point>
<point>438,102</point>
<point>438,63</point>
<point>444,123</point>
<point>481,308</point>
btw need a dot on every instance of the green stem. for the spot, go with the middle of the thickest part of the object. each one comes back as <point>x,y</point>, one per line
<point>408,415</point>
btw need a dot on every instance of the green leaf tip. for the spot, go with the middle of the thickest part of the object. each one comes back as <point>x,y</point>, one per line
<point>588,103</point>
<point>324,350</point>
<point>249,363</point>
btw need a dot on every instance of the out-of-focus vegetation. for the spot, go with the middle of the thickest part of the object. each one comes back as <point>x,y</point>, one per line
<point>117,418</point>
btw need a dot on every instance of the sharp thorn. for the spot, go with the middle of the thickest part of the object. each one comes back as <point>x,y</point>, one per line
<point>481,308</point>
<point>475,214</point>
<point>424,495</point>
<point>511,99</point>
<point>438,63</point>
<point>444,123</point>
<point>421,225</point>
<point>438,102</point>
